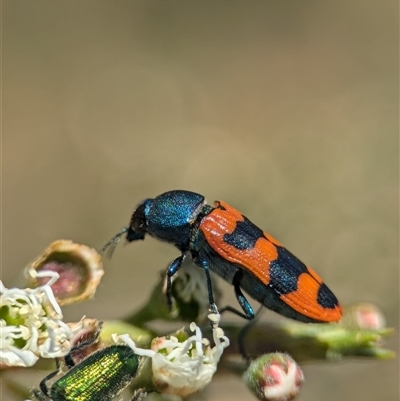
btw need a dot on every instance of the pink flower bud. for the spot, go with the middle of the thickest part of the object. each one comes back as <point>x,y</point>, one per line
<point>274,377</point>
<point>363,315</point>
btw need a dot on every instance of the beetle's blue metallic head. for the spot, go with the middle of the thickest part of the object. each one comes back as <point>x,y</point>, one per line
<point>169,217</point>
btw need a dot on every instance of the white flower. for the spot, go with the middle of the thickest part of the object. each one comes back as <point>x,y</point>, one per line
<point>183,368</point>
<point>31,325</point>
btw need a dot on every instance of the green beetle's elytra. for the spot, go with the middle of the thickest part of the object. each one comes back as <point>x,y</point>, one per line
<point>99,377</point>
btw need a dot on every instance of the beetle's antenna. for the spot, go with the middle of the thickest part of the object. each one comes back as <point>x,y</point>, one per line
<point>114,240</point>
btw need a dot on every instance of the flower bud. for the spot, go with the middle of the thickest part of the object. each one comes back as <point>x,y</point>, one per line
<point>365,316</point>
<point>78,266</point>
<point>274,377</point>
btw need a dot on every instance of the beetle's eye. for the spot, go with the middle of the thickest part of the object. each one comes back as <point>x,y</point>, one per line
<point>139,217</point>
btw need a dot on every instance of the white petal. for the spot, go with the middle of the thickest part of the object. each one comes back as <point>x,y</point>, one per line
<point>16,357</point>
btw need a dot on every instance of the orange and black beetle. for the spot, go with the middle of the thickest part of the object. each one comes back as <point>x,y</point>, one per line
<point>221,239</point>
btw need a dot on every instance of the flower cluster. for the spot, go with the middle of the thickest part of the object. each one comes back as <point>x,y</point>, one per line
<point>180,364</point>
<point>179,367</point>
<point>31,324</point>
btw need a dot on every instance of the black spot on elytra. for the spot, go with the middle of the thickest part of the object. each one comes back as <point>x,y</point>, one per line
<point>244,236</point>
<point>284,271</point>
<point>326,298</point>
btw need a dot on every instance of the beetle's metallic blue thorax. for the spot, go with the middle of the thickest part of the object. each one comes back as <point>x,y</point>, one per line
<point>168,217</point>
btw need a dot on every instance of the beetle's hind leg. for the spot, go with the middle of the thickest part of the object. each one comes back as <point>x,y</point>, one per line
<point>243,302</point>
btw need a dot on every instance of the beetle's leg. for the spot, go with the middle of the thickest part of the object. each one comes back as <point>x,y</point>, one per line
<point>42,385</point>
<point>233,310</point>
<point>243,302</point>
<point>172,269</point>
<point>248,313</point>
<point>243,333</point>
<point>203,263</point>
<point>38,394</point>
<point>44,395</point>
<point>139,394</point>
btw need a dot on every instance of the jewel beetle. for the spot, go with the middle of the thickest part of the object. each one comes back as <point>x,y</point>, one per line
<point>223,240</point>
<point>99,377</point>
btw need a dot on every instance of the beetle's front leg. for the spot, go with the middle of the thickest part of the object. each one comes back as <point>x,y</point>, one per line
<point>43,387</point>
<point>172,269</point>
<point>204,264</point>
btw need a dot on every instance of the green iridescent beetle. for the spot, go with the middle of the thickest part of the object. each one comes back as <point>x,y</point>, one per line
<point>99,377</point>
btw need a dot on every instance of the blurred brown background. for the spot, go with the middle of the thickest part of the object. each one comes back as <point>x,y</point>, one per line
<point>287,110</point>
